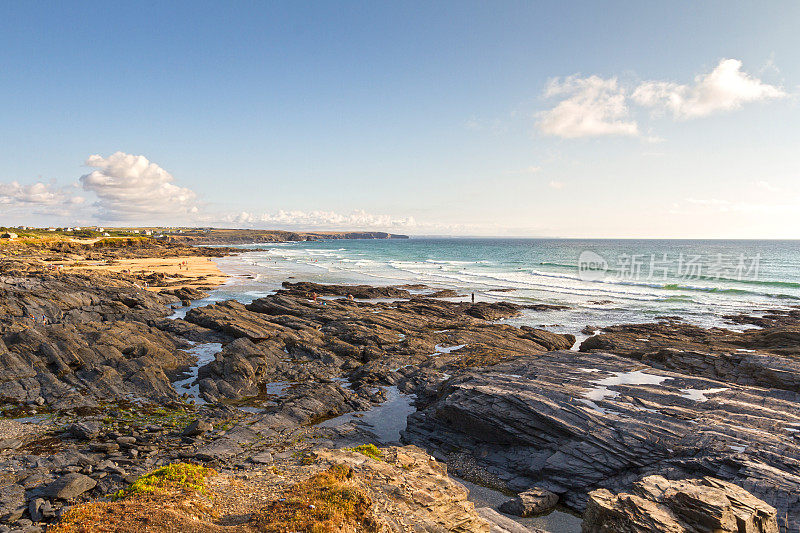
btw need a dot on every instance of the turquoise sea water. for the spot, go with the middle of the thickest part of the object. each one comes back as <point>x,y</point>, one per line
<point>637,280</point>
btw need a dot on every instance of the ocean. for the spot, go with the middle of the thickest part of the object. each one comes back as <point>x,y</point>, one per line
<point>601,282</point>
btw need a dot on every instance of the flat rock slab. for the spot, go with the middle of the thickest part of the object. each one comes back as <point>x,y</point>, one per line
<point>574,422</point>
<point>69,486</point>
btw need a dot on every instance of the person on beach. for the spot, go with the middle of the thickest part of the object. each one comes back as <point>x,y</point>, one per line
<point>349,296</point>
<point>314,296</point>
<point>44,320</point>
<point>473,297</point>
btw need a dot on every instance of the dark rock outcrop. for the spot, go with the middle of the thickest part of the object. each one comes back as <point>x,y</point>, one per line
<point>306,289</point>
<point>572,422</point>
<point>659,505</point>
<point>285,338</point>
<point>764,357</point>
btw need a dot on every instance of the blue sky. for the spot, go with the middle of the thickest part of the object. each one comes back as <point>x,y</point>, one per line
<point>620,119</point>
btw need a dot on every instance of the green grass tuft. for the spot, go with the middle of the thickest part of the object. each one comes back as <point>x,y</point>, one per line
<point>176,476</point>
<point>370,450</point>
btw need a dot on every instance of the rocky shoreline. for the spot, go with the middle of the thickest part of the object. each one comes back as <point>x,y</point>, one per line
<point>295,374</point>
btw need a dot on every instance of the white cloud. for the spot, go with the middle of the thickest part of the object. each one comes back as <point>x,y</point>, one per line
<point>556,184</point>
<point>129,186</point>
<point>358,219</point>
<point>723,89</point>
<point>38,198</point>
<point>591,107</point>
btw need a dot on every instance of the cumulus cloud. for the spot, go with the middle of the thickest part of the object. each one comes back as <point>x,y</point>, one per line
<point>358,219</point>
<point>39,197</point>
<point>723,89</point>
<point>596,106</point>
<point>130,186</point>
<point>590,107</point>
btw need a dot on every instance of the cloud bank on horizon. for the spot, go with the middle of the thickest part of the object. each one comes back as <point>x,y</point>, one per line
<point>132,189</point>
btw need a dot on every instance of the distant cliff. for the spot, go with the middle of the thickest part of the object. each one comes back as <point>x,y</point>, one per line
<point>242,236</point>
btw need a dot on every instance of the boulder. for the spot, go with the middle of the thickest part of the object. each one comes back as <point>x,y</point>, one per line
<point>40,509</point>
<point>264,458</point>
<point>69,486</point>
<point>197,427</point>
<point>85,430</point>
<point>531,502</point>
<point>12,502</point>
<point>657,505</point>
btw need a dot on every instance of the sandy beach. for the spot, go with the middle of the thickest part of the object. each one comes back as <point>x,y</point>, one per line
<point>184,271</point>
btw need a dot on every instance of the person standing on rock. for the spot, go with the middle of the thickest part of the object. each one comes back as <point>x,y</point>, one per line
<point>473,297</point>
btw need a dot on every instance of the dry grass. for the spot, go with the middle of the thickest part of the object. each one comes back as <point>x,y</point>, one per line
<point>327,502</point>
<point>178,498</point>
<point>141,513</point>
<point>172,498</point>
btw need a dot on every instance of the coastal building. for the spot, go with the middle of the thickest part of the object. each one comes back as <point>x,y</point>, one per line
<point>9,235</point>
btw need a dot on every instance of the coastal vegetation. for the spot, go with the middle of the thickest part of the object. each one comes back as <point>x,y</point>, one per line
<point>327,502</point>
